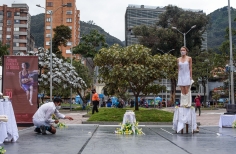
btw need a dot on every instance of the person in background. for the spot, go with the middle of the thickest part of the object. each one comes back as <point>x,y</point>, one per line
<point>132,103</point>
<point>197,101</point>
<point>42,119</point>
<point>95,100</point>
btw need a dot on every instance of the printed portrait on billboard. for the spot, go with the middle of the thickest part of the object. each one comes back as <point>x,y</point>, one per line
<point>20,83</point>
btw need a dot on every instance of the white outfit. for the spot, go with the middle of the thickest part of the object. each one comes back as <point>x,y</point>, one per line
<point>184,74</point>
<point>43,115</point>
<point>186,100</point>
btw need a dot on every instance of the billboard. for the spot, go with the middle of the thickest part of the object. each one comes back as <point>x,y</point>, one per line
<point>20,83</point>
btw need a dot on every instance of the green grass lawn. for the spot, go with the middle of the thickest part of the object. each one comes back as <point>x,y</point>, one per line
<point>143,115</point>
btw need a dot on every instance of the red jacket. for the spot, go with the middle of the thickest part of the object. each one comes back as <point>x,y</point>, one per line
<point>197,101</point>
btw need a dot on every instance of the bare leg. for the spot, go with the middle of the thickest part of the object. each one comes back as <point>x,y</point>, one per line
<point>31,93</point>
<point>184,89</point>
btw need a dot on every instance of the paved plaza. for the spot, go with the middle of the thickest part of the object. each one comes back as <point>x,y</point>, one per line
<point>100,139</point>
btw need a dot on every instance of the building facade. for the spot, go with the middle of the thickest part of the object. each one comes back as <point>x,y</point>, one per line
<point>137,15</point>
<point>68,16</point>
<point>15,28</point>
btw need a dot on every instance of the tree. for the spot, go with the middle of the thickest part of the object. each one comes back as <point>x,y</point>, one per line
<point>3,51</point>
<point>62,34</point>
<point>89,46</point>
<point>162,36</point>
<point>133,66</point>
<point>82,72</point>
<point>201,70</point>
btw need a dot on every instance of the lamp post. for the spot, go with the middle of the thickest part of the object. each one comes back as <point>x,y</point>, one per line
<point>51,15</point>
<point>227,70</point>
<point>71,50</point>
<point>168,67</point>
<point>184,33</point>
<point>231,56</point>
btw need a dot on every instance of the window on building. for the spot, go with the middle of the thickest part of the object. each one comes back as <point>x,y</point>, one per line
<point>8,36</point>
<point>16,29</point>
<point>16,21</point>
<point>8,14</point>
<point>1,12</point>
<point>48,19</point>
<point>48,35</point>
<point>1,21</point>
<point>49,11</point>
<point>69,4</point>
<point>68,12</point>
<point>68,51</point>
<point>69,43</point>
<point>47,43</point>
<point>17,14</point>
<point>16,37</point>
<point>68,19</point>
<point>8,22</point>
<point>0,28</point>
<point>15,44</point>
<point>8,29</point>
<point>0,36</point>
<point>48,27</point>
<point>50,4</point>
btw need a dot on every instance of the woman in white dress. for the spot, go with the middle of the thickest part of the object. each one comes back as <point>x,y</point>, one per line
<point>184,71</point>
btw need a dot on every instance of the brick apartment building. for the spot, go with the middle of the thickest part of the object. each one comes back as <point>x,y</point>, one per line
<point>68,16</point>
<point>15,28</point>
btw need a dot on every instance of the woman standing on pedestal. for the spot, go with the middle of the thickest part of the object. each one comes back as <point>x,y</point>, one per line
<point>184,76</point>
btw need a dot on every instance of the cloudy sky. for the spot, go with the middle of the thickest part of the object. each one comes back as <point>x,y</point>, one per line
<point>110,14</point>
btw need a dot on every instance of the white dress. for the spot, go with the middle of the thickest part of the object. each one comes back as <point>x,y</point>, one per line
<point>184,74</point>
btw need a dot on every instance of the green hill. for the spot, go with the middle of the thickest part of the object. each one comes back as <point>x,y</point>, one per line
<point>218,23</point>
<point>37,30</point>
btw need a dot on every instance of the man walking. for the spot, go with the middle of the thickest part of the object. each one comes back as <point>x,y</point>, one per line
<point>95,100</point>
<point>42,119</point>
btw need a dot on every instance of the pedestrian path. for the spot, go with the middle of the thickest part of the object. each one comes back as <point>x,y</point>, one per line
<point>94,139</point>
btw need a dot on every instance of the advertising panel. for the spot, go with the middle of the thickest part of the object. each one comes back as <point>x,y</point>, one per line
<point>20,83</point>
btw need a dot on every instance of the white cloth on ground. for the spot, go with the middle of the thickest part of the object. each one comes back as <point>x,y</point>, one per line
<point>44,114</point>
<point>226,120</point>
<point>8,130</point>
<point>129,117</point>
<point>184,116</point>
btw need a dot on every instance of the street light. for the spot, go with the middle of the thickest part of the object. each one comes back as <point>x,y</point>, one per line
<point>227,70</point>
<point>168,67</point>
<point>231,56</point>
<point>51,14</point>
<point>184,33</point>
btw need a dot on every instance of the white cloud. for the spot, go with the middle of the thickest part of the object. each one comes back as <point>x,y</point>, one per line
<point>110,14</point>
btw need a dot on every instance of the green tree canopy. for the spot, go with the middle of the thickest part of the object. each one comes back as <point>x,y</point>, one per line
<point>62,34</point>
<point>132,66</point>
<point>90,44</point>
<point>3,50</point>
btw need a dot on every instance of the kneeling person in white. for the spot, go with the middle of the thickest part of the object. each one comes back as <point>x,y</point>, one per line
<point>42,119</point>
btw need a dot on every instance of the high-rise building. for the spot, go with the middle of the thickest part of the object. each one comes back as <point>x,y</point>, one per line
<point>68,16</point>
<point>137,15</point>
<point>15,28</point>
